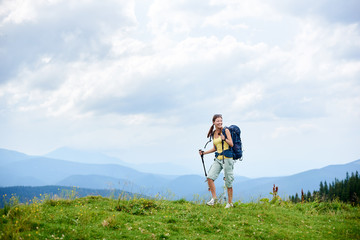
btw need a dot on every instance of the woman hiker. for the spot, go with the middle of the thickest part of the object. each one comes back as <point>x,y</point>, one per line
<point>223,160</point>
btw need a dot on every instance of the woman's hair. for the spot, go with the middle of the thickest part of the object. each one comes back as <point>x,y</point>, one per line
<point>211,130</point>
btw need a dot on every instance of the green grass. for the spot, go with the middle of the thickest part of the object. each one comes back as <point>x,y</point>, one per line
<point>95,217</point>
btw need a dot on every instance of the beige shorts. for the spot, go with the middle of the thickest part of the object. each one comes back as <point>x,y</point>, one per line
<point>228,167</point>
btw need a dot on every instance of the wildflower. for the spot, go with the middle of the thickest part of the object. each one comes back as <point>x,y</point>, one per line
<point>105,223</point>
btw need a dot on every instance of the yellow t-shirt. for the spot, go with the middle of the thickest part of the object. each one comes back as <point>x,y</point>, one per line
<point>218,145</point>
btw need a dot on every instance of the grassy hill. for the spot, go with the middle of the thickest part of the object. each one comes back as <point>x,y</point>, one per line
<point>96,217</point>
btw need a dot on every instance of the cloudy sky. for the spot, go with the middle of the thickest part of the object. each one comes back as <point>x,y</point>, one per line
<point>141,80</point>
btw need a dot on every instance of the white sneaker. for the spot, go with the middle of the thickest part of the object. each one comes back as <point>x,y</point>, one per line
<point>211,202</point>
<point>229,205</point>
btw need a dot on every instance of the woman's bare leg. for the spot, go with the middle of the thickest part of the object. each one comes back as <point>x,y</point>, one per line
<point>212,187</point>
<point>230,194</point>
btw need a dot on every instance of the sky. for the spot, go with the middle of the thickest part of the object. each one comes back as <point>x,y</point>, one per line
<point>141,80</point>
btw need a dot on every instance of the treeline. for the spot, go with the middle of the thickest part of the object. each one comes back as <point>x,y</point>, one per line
<point>347,190</point>
<point>26,194</point>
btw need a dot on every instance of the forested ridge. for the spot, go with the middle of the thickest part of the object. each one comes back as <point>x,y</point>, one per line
<point>26,194</point>
<point>347,190</point>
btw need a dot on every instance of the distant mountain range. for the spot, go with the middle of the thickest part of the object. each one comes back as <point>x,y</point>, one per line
<point>19,169</point>
<point>75,155</point>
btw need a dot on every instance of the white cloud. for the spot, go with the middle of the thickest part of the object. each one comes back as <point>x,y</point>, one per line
<point>314,49</point>
<point>236,10</point>
<point>154,70</point>
<point>171,17</point>
<point>247,96</point>
<point>18,11</point>
<point>293,131</point>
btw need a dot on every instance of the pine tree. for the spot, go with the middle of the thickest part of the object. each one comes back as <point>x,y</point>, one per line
<point>308,197</point>
<point>321,190</point>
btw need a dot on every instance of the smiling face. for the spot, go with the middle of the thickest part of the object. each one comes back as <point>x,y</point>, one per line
<point>218,122</point>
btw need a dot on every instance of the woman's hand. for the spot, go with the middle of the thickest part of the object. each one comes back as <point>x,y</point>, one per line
<point>201,152</point>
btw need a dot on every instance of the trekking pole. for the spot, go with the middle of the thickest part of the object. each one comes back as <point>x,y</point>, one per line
<point>202,159</point>
<point>225,188</point>
<point>223,158</point>
<point>222,143</point>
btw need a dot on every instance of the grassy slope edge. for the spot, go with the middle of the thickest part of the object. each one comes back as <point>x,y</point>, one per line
<point>96,217</point>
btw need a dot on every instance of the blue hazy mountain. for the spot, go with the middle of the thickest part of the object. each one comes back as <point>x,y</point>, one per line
<point>38,171</point>
<point>98,182</point>
<point>19,169</point>
<point>9,156</point>
<point>75,155</point>
<point>52,171</point>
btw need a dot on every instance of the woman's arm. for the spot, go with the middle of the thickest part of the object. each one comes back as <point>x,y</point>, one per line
<point>228,138</point>
<point>208,151</point>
